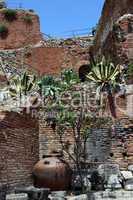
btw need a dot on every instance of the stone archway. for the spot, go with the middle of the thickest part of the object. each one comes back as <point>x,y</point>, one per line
<point>83,68</point>
<point>83,71</point>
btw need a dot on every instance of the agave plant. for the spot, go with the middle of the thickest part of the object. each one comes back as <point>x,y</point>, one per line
<point>105,74</point>
<point>22,85</point>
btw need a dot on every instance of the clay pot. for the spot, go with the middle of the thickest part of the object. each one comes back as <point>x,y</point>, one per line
<point>52,172</point>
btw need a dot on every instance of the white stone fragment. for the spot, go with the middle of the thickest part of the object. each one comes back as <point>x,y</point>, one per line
<point>130,168</point>
<point>129,185</point>
<point>17,197</point>
<point>79,197</point>
<point>127,175</point>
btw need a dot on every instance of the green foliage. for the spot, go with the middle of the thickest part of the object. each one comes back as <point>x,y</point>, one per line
<point>105,74</point>
<point>3,31</point>
<point>130,70</point>
<point>46,80</point>
<point>51,86</point>
<point>27,19</point>
<point>10,14</point>
<point>66,118</point>
<point>69,77</point>
<point>74,121</point>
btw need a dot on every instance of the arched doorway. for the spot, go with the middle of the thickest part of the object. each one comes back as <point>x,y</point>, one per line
<point>83,71</point>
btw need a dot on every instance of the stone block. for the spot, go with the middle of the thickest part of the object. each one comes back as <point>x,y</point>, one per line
<point>113,182</point>
<point>17,197</point>
<point>58,195</point>
<point>127,175</point>
<point>106,170</point>
<point>129,185</point>
<point>56,198</point>
<point>130,168</point>
<point>34,193</point>
<point>79,197</point>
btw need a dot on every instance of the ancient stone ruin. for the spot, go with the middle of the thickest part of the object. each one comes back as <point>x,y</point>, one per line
<point>25,135</point>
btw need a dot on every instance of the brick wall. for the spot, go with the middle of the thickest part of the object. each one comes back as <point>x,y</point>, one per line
<point>49,140</point>
<point>103,143</point>
<point>18,148</point>
<point>51,60</point>
<point>44,56</point>
<point>111,12</point>
<point>19,32</point>
<point>45,60</point>
<point>121,143</point>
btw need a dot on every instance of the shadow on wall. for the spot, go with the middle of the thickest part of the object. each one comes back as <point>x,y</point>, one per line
<point>83,71</point>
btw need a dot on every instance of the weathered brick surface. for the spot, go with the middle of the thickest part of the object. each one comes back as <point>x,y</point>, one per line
<point>45,60</point>
<point>20,33</point>
<point>51,60</point>
<point>114,37</point>
<point>112,11</point>
<point>49,140</point>
<point>18,149</point>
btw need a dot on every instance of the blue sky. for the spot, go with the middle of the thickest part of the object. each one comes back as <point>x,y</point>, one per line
<point>64,17</point>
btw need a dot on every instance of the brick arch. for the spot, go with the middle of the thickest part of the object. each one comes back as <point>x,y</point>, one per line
<point>82,68</point>
<point>81,63</point>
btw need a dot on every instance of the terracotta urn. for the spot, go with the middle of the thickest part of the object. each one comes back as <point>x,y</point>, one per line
<point>52,172</point>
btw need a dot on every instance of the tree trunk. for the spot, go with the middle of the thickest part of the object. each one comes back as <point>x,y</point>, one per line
<point>111,103</point>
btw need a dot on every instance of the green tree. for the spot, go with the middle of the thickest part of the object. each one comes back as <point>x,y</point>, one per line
<point>67,119</point>
<point>76,122</point>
